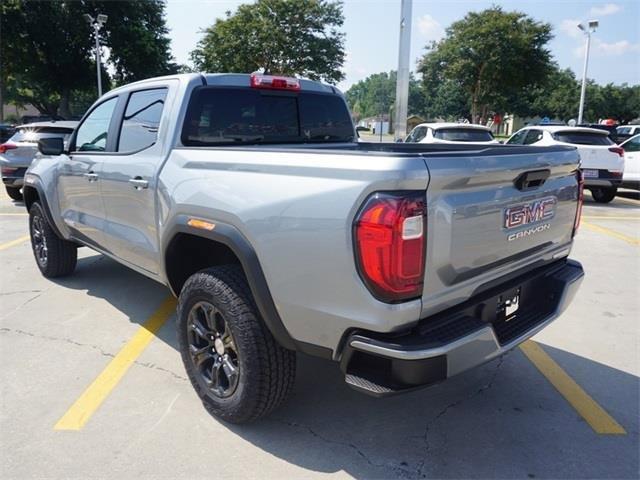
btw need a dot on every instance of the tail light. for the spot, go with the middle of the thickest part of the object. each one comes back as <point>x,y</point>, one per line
<point>272,82</point>
<point>618,150</point>
<point>576,222</point>
<point>390,241</point>
<point>7,146</point>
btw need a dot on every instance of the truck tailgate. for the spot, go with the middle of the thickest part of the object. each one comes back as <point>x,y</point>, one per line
<point>492,212</point>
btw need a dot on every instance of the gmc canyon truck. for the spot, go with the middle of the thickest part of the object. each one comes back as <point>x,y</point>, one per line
<point>251,199</point>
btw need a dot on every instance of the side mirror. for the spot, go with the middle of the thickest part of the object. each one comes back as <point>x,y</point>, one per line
<point>399,140</point>
<point>51,146</point>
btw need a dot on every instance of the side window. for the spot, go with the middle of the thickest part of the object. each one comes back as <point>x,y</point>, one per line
<point>92,134</point>
<point>421,132</point>
<point>533,136</point>
<point>141,120</point>
<point>517,138</point>
<point>410,137</point>
<point>632,145</point>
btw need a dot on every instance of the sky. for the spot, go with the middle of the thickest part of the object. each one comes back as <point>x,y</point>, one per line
<point>372,29</point>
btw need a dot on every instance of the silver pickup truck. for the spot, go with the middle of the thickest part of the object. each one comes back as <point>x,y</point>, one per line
<point>251,199</point>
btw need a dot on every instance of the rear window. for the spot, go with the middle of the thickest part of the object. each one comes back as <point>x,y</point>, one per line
<point>463,135</point>
<point>222,116</point>
<point>33,134</point>
<point>583,138</point>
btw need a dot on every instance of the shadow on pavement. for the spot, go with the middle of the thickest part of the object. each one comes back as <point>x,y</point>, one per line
<point>501,420</point>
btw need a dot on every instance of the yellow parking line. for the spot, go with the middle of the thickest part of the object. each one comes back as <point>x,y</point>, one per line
<point>596,416</point>
<point>80,412</point>
<point>13,243</point>
<point>611,233</point>
<point>605,217</point>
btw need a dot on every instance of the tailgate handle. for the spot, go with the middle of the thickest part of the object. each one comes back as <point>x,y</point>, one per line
<point>531,180</point>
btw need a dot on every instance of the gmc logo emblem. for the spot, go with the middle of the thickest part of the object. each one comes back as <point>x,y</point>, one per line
<point>531,212</point>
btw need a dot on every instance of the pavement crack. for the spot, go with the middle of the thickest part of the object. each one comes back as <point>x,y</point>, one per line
<point>430,424</point>
<point>399,470</point>
<point>27,301</point>
<point>4,294</point>
<point>102,352</point>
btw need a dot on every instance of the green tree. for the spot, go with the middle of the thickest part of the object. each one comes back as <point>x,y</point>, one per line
<point>490,57</point>
<point>47,53</point>
<point>277,36</point>
<point>377,93</point>
<point>557,97</point>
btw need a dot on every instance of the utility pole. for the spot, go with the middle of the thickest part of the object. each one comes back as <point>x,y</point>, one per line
<point>402,80</point>
<point>593,24</point>
<point>96,24</point>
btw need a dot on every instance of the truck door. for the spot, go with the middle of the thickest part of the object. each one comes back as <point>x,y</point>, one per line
<point>128,180</point>
<point>79,172</point>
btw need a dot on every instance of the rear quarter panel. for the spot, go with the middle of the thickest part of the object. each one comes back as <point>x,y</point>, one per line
<point>296,208</point>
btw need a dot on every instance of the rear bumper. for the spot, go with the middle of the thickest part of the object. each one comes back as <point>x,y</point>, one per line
<point>605,178</point>
<point>15,178</point>
<point>461,338</point>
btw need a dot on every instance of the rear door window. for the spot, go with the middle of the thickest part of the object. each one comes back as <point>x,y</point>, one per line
<point>632,145</point>
<point>583,138</point>
<point>517,138</point>
<point>463,135</point>
<point>533,136</point>
<point>141,120</point>
<point>417,134</point>
<point>223,116</point>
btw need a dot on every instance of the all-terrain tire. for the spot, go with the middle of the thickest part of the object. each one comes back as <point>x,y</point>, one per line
<point>266,369</point>
<point>55,256</point>
<point>604,194</point>
<point>14,193</point>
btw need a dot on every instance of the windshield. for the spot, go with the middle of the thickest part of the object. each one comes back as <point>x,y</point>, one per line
<point>222,116</point>
<point>463,135</point>
<point>583,138</point>
<point>33,134</point>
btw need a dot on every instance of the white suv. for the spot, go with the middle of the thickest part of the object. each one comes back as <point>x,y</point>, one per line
<point>601,160</point>
<point>451,133</point>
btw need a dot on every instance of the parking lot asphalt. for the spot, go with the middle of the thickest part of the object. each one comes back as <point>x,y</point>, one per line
<point>535,413</point>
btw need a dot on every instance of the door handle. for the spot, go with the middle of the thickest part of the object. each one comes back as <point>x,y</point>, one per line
<point>138,183</point>
<point>90,176</point>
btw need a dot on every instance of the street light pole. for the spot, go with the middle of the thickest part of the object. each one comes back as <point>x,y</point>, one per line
<point>593,24</point>
<point>402,80</point>
<point>96,24</point>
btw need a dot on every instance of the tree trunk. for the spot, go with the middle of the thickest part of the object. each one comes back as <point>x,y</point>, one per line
<point>63,108</point>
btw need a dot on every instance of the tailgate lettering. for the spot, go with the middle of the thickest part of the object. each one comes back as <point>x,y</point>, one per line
<point>531,212</point>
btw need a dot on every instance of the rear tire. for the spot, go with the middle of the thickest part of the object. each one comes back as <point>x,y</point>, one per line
<point>54,256</point>
<point>14,193</point>
<point>235,365</point>
<point>604,194</point>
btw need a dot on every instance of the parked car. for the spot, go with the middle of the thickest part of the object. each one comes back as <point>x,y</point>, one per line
<point>624,132</point>
<point>17,153</point>
<point>601,160</point>
<point>250,198</point>
<point>6,131</point>
<point>631,175</point>
<point>450,133</point>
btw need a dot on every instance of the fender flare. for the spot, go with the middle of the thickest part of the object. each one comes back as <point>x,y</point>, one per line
<point>36,184</point>
<point>240,246</point>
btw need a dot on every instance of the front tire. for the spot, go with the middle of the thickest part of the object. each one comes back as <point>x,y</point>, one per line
<point>14,193</point>
<point>54,256</point>
<point>235,365</point>
<point>604,194</point>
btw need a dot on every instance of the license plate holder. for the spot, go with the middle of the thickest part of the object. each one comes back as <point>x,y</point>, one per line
<point>508,304</point>
<point>590,173</point>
